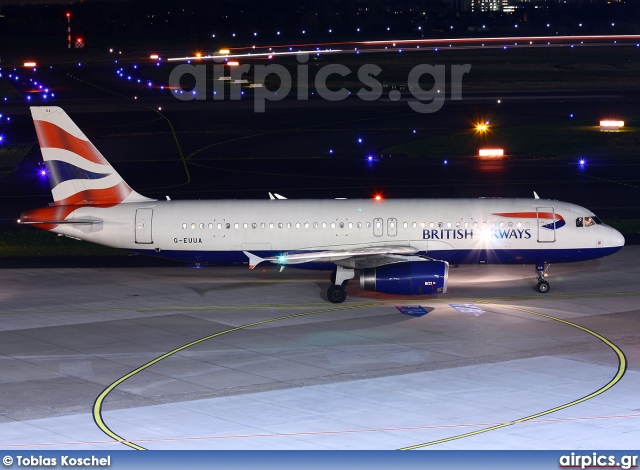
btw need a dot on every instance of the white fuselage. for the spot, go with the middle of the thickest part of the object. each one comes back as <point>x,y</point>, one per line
<point>455,230</point>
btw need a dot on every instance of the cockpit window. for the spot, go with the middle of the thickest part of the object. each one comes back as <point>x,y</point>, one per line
<point>588,221</point>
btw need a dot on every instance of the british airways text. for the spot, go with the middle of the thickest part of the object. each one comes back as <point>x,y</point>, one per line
<point>465,234</point>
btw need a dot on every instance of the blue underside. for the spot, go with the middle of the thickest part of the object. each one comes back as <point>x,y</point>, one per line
<point>221,258</point>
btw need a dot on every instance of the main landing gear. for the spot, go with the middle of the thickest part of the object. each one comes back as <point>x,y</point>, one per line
<point>337,292</point>
<point>543,286</point>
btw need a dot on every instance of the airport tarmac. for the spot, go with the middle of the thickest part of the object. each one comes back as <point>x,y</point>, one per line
<point>228,358</point>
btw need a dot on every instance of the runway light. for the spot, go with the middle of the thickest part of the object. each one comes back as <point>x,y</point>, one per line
<point>359,140</point>
<point>153,56</point>
<point>491,152</point>
<point>30,64</point>
<point>224,51</point>
<point>233,63</point>
<point>582,162</point>
<point>611,125</point>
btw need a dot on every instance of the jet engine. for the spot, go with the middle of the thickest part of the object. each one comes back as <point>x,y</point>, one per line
<point>407,278</point>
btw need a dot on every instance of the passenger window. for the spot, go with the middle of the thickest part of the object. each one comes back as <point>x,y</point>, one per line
<point>519,224</point>
<point>414,225</point>
<point>271,225</point>
<point>227,225</point>
<point>280,225</point>
<point>315,225</point>
<point>219,226</point>
<point>245,225</point>
<point>350,224</point>
<point>184,226</point>
<point>368,224</point>
<point>359,224</point>
<point>457,224</point>
<point>405,225</point>
<point>466,225</point>
<point>501,224</point>
<point>306,225</point>
<point>475,224</point>
<point>236,226</point>
<point>288,224</point>
<point>201,226</point>
<point>440,224</point>
<point>448,224</point>
<point>297,224</point>
<point>324,225</point>
<point>333,225</point>
<point>422,224</point>
<point>254,225</point>
<point>193,226</point>
<point>210,226</point>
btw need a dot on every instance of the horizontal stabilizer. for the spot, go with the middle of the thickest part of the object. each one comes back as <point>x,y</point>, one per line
<point>61,222</point>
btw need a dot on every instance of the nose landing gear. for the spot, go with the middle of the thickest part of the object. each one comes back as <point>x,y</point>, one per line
<point>543,286</point>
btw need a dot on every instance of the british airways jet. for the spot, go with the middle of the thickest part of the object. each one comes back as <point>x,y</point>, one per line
<point>398,246</point>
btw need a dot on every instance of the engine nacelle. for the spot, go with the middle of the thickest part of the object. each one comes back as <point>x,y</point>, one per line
<point>409,278</point>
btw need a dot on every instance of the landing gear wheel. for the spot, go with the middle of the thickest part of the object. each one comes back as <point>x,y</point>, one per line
<point>543,287</point>
<point>336,294</point>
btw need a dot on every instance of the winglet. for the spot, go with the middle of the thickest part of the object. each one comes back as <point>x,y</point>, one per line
<point>535,195</point>
<point>253,259</point>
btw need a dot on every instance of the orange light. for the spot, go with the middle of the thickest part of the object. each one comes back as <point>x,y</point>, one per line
<point>233,63</point>
<point>491,152</point>
<point>153,56</point>
<point>30,64</point>
<point>481,127</point>
<point>223,51</point>
<point>610,125</point>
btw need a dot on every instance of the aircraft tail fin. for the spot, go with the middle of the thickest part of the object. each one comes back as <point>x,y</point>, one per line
<point>78,173</point>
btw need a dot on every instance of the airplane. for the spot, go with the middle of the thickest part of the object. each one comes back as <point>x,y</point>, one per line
<point>401,246</point>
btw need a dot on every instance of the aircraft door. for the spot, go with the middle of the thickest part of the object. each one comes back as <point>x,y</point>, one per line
<point>377,227</point>
<point>546,224</point>
<point>392,227</point>
<point>143,225</point>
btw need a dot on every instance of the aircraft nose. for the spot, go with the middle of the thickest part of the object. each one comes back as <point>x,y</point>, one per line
<point>616,238</point>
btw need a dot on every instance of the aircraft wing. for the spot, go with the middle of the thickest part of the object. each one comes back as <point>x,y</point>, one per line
<point>357,258</point>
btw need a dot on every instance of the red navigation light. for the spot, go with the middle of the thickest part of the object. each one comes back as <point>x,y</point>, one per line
<point>68,15</point>
<point>378,197</point>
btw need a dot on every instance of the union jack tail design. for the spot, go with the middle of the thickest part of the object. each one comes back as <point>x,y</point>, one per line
<point>77,171</point>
